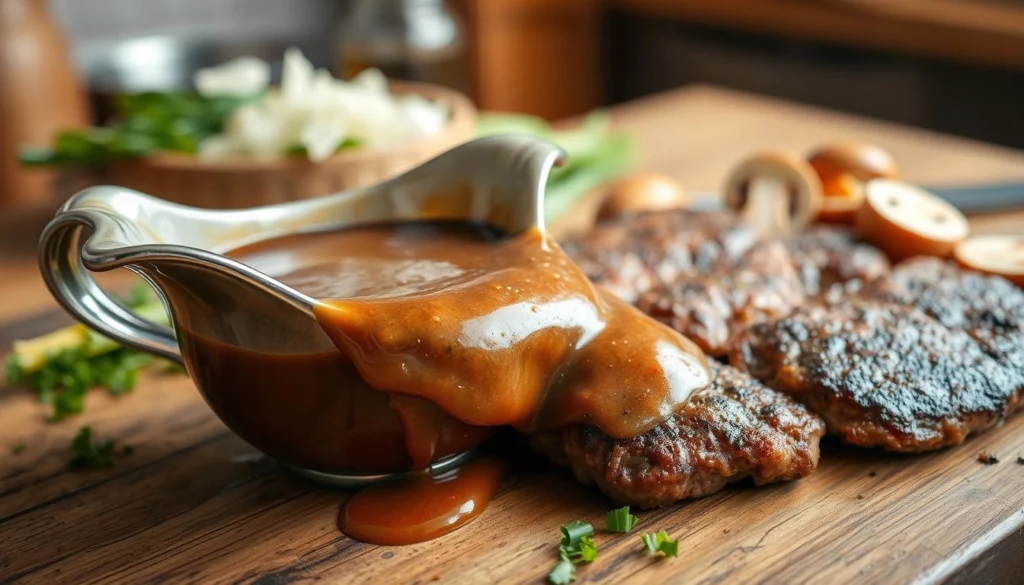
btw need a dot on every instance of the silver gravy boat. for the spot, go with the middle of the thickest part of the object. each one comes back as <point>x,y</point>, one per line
<point>180,250</point>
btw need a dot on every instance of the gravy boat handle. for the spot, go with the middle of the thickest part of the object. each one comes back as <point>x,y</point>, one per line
<point>62,267</point>
<point>499,179</point>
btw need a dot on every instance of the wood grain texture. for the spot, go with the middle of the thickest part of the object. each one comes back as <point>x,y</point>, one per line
<point>196,504</point>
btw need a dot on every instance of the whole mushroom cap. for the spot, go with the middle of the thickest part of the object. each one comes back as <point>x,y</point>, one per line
<point>642,192</point>
<point>798,187</point>
<point>863,161</point>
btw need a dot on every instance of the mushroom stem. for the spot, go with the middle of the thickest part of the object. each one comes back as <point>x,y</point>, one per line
<point>767,207</point>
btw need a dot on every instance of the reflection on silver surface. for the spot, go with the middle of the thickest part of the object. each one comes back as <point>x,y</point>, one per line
<point>354,480</point>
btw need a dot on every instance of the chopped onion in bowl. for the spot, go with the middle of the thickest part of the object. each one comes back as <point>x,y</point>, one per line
<point>314,113</point>
<point>243,77</point>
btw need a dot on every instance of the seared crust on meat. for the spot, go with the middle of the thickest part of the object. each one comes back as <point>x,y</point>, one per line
<point>735,428</point>
<point>989,308</point>
<point>632,255</point>
<point>881,374</point>
<point>910,358</point>
<point>830,258</point>
<point>711,309</point>
<point>708,276</point>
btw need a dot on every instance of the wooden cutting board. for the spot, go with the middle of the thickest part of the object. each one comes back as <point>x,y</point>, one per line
<point>196,504</point>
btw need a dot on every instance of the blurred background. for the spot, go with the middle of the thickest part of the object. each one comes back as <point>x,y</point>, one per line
<point>951,65</point>
<point>956,66</point>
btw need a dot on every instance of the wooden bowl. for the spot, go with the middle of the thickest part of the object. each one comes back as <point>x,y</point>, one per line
<point>234,183</point>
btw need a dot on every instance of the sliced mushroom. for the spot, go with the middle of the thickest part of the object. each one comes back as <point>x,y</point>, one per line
<point>999,255</point>
<point>844,168</point>
<point>641,193</point>
<point>776,192</point>
<point>904,220</point>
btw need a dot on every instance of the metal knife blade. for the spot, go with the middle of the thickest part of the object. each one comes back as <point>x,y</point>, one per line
<point>967,198</point>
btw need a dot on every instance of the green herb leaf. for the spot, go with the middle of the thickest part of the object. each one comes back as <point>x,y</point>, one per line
<point>620,520</point>
<point>660,543</point>
<point>573,532</point>
<point>650,542</point>
<point>668,546</point>
<point>89,455</point>
<point>18,447</point>
<point>148,122</point>
<point>563,573</point>
<point>66,364</point>
<point>585,552</point>
<point>12,370</point>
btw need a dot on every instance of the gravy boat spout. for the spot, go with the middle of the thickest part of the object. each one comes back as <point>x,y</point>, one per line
<point>211,297</point>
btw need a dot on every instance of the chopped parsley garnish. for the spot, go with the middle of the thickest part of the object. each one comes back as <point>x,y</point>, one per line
<point>574,531</point>
<point>585,551</point>
<point>577,546</point>
<point>86,454</point>
<point>620,520</point>
<point>18,447</point>
<point>563,573</point>
<point>62,366</point>
<point>660,543</point>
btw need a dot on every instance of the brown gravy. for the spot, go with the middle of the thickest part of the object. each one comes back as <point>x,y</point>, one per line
<point>446,331</point>
<point>423,507</point>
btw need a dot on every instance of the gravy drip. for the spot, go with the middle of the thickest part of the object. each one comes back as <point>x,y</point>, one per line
<point>455,330</point>
<point>422,507</point>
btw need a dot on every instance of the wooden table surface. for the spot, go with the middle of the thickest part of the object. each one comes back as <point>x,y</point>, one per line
<point>196,504</point>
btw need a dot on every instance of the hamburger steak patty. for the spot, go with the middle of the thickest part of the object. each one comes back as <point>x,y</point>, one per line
<point>882,374</point>
<point>989,308</point>
<point>710,309</point>
<point>632,255</point>
<point>708,276</point>
<point>735,428</point>
<point>831,259</point>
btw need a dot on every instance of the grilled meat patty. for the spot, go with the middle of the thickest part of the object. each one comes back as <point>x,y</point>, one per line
<point>910,358</point>
<point>711,308</point>
<point>735,428</point>
<point>882,374</point>
<point>633,255</point>
<point>830,260</point>
<point>989,308</point>
<point>709,276</point>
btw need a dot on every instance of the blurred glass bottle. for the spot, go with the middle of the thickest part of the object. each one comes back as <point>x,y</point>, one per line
<point>416,40</point>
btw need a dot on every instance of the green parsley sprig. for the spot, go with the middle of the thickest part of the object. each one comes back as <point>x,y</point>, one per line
<point>88,454</point>
<point>62,366</point>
